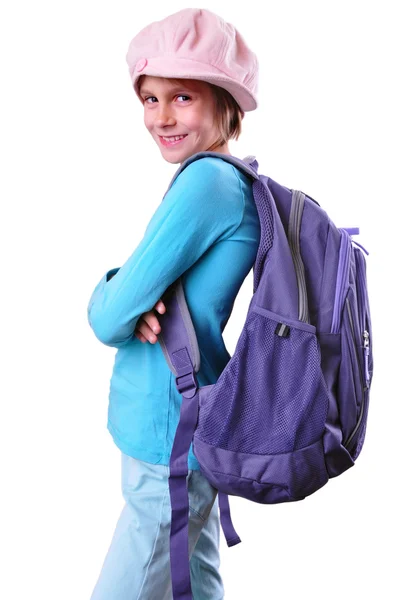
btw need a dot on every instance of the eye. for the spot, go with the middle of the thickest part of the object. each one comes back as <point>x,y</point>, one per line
<point>178,96</point>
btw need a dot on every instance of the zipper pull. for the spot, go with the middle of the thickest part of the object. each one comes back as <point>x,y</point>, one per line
<point>366,346</point>
<point>366,336</point>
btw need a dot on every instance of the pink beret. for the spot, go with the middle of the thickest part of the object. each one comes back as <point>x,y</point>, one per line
<point>195,43</point>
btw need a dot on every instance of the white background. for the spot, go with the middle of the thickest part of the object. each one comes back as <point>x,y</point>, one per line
<point>80,179</point>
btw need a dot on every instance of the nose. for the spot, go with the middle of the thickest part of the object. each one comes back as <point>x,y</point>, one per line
<point>164,115</point>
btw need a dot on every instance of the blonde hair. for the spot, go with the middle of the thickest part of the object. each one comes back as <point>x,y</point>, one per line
<point>227,114</point>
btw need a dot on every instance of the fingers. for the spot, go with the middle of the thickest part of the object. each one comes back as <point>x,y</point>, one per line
<point>140,336</point>
<point>160,307</point>
<point>148,326</point>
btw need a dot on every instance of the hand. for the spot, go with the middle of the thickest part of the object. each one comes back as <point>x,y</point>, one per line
<point>148,325</point>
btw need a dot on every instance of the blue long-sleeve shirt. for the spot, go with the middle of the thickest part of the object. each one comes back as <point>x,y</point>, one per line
<point>206,229</point>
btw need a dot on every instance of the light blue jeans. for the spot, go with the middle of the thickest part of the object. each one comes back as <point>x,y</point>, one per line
<point>137,564</point>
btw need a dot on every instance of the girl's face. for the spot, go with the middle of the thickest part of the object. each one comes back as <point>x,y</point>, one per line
<point>171,109</point>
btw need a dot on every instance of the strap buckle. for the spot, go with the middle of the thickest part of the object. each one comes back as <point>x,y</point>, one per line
<point>187,383</point>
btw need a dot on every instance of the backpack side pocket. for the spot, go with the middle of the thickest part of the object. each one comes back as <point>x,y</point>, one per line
<point>365,351</point>
<point>352,389</point>
<point>271,397</point>
<point>351,317</point>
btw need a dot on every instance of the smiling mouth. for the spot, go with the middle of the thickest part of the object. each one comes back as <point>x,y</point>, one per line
<point>170,137</point>
<point>172,142</point>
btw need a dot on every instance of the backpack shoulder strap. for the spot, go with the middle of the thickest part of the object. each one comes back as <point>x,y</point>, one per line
<point>248,165</point>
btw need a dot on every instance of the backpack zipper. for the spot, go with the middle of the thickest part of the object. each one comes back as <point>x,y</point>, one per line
<point>366,346</point>
<point>342,270</point>
<point>363,313</point>
<point>360,372</point>
<point>295,219</point>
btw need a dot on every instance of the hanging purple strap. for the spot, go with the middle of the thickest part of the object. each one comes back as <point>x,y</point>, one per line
<point>179,555</point>
<point>178,342</point>
<point>180,568</point>
<point>226,522</point>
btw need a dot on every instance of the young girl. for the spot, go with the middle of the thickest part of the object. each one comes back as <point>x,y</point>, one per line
<point>196,78</point>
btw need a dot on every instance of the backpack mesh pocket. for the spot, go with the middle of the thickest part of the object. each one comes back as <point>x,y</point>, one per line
<point>271,397</point>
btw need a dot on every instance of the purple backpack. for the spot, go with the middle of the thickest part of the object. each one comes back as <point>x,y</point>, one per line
<point>289,410</point>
